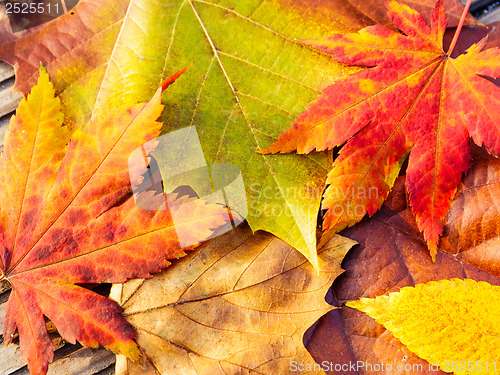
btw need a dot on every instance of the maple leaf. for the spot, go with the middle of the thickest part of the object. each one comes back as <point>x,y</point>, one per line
<point>68,218</point>
<point>241,304</point>
<point>449,323</point>
<point>94,58</point>
<point>392,254</point>
<point>96,61</point>
<point>377,12</point>
<point>93,26</point>
<point>414,99</point>
<point>472,231</point>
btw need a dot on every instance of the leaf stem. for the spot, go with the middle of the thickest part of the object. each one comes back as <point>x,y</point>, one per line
<point>65,9</point>
<point>459,28</point>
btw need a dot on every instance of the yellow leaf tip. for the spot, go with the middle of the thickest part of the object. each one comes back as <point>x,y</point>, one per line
<point>363,304</point>
<point>432,246</point>
<point>352,304</point>
<point>315,261</point>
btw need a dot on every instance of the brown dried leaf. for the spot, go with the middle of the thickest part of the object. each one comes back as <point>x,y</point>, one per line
<point>473,230</point>
<point>239,305</point>
<point>392,254</point>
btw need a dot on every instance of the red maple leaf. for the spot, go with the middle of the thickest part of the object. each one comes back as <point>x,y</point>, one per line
<point>413,99</point>
<point>68,217</point>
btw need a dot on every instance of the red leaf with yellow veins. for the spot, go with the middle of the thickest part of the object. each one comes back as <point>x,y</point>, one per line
<point>68,217</point>
<point>413,99</point>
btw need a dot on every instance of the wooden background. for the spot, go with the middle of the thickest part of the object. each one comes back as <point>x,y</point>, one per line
<point>72,359</point>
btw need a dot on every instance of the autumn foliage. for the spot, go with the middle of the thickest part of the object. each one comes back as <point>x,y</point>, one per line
<point>81,225</point>
<point>413,99</point>
<point>371,86</point>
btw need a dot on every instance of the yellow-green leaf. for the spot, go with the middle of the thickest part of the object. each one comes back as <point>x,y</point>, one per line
<point>250,78</point>
<point>239,94</point>
<point>454,324</point>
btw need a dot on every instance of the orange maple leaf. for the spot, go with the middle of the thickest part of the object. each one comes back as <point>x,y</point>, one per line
<point>413,99</point>
<point>67,217</point>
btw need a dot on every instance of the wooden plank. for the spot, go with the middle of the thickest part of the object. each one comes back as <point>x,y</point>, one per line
<point>4,125</point>
<point>3,306</point>
<point>6,71</point>
<point>11,360</point>
<point>110,370</point>
<point>490,17</point>
<point>4,286</point>
<point>84,361</point>
<point>8,100</point>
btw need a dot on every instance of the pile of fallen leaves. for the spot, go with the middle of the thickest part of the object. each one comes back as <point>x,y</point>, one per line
<point>356,111</point>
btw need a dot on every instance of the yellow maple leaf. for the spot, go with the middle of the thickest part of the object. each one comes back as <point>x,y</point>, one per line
<point>454,324</point>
